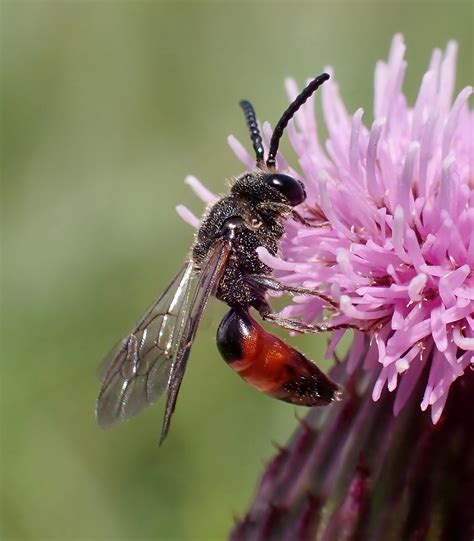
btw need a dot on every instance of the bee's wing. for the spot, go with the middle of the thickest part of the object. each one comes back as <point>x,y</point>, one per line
<point>209,277</point>
<point>135,373</point>
<point>154,355</point>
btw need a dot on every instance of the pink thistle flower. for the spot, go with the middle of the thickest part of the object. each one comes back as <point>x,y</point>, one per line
<point>398,253</point>
<point>395,251</point>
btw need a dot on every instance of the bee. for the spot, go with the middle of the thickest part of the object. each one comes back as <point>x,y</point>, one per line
<point>224,263</point>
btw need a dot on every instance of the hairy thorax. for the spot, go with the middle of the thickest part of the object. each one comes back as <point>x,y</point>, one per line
<point>256,229</point>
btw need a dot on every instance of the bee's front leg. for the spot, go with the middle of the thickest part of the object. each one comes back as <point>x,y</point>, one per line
<point>287,210</point>
<point>303,221</point>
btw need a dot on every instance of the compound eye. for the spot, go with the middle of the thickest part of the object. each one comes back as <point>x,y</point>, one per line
<point>289,187</point>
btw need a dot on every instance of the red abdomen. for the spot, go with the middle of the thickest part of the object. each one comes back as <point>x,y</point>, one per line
<point>271,366</point>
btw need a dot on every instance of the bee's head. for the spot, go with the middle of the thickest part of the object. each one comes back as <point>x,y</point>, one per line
<point>267,186</point>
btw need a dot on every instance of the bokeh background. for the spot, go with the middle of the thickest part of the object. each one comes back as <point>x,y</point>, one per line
<point>106,106</point>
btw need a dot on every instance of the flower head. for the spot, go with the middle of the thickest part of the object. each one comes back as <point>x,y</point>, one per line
<point>393,247</point>
<point>397,250</point>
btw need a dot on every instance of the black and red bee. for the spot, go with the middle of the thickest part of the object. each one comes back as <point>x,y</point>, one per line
<point>224,263</point>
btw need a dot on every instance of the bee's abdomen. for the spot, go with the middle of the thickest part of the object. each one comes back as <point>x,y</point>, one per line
<point>271,366</point>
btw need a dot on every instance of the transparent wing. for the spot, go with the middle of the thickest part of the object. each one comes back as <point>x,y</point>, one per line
<point>154,356</point>
<point>136,371</point>
<point>208,280</point>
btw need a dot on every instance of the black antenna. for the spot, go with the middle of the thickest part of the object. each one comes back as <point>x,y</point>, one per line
<point>288,115</point>
<point>255,136</point>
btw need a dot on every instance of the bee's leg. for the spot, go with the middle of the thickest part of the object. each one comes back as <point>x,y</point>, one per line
<point>272,206</point>
<point>294,325</point>
<point>298,218</point>
<point>287,210</point>
<point>268,282</point>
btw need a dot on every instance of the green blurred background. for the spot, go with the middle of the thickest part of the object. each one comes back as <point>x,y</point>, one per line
<point>106,106</point>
